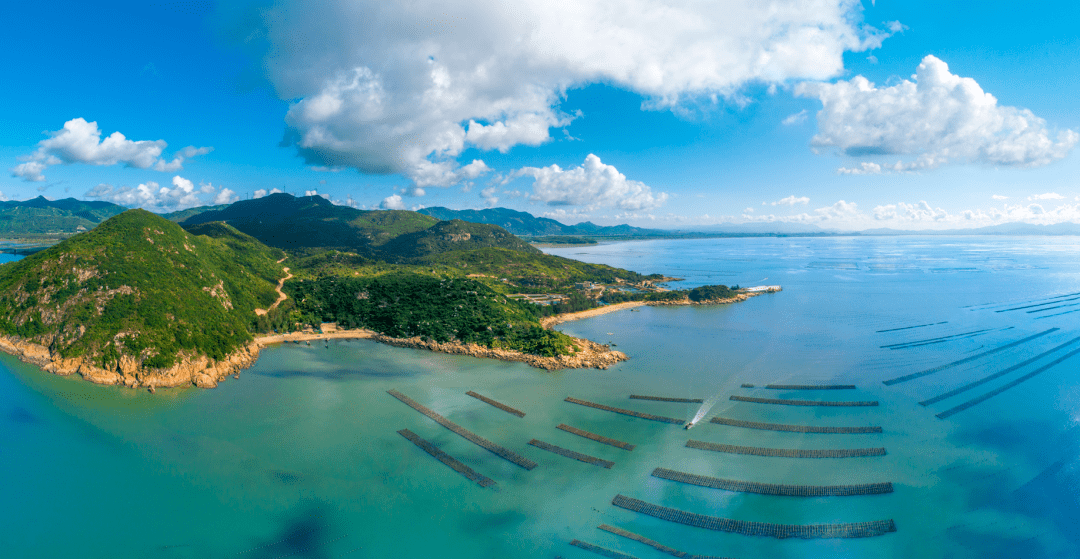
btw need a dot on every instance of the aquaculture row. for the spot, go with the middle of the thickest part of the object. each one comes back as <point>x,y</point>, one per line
<point>847,530</point>
<point>499,405</point>
<point>793,428</point>
<point>571,454</point>
<point>785,402</point>
<point>445,458</point>
<point>652,543</point>
<point>499,451</point>
<point>631,413</point>
<point>772,488</point>
<point>601,550</point>
<point>811,386</point>
<point>665,399</point>
<point>594,437</point>
<point>786,452</point>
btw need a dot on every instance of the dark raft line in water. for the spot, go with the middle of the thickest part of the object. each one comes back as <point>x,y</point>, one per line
<point>747,528</point>
<point>499,405</point>
<point>594,437</point>
<point>940,368</point>
<point>794,428</point>
<point>445,458</point>
<point>773,488</point>
<point>810,386</point>
<point>601,550</point>
<point>631,413</point>
<point>786,452</point>
<point>989,305</point>
<point>571,454</point>
<point>665,399</point>
<point>996,375</point>
<point>1052,308</point>
<point>501,452</point>
<point>801,402</point>
<point>927,340</point>
<point>1038,305</point>
<point>653,543</point>
<point>1056,314</point>
<point>1003,388</point>
<point>910,327</point>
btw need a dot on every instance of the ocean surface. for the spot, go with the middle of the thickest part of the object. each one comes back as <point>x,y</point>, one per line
<point>300,456</point>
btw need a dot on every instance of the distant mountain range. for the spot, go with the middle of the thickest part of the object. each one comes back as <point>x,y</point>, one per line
<point>56,219</point>
<point>525,224</point>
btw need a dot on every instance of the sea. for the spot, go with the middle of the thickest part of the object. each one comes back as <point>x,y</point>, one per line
<point>964,343</point>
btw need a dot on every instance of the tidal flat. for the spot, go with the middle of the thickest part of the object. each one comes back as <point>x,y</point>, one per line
<point>301,456</point>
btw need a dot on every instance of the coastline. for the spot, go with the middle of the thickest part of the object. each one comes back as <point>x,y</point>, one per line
<point>204,372</point>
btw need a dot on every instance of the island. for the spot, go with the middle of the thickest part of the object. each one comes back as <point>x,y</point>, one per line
<point>143,300</point>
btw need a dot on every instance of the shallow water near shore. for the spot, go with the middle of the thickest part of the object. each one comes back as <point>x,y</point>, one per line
<point>299,457</point>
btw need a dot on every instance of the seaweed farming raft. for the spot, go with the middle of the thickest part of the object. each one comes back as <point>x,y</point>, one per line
<point>445,458</point>
<point>774,489</point>
<point>785,402</point>
<point>594,437</point>
<point>806,531</point>
<point>571,454</point>
<point>786,452</point>
<point>667,399</point>
<point>601,550</point>
<point>794,428</point>
<point>501,452</point>
<point>631,413</point>
<point>499,405</point>
<point>810,386</point>
<point>652,543</point>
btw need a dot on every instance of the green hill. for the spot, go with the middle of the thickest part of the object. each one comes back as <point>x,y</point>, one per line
<point>41,217</point>
<point>523,223</point>
<point>313,223</point>
<point>139,289</point>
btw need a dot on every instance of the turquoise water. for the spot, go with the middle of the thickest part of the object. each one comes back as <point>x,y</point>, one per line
<point>299,457</point>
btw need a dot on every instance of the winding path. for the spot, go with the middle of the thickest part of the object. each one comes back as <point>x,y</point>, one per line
<point>281,294</point>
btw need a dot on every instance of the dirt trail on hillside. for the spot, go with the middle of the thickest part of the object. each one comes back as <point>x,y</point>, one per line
<point>281,294</point>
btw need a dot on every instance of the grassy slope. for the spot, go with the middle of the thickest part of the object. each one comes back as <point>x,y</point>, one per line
<point>139,285</point>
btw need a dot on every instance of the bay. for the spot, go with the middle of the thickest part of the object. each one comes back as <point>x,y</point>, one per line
<point>299,457</point>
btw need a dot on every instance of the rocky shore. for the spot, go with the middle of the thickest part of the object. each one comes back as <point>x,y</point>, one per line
<point>200,370</point>
<point>204,372</point>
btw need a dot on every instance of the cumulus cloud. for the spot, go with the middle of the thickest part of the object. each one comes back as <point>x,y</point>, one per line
<point>155,197</point>
<point>790,201</point>
<point>935,118</point>
<point>263,192</point>
<point>999,197</point>
<point>445,173</point>
<point>226,196</point>
<point>921,211</point>
<point>797,118</point>
<point>591,185</point>
<point>80,141</point>
<point>387,87</point>
<point>1046,196</point>
<point>392,203</point>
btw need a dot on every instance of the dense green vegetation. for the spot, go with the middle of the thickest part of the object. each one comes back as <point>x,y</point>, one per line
<point>408,304</point>
<point>42,219</point>
<point>139,286</point>
<point>562,240</point>
<point>523,223</point>
<point>712,292</point>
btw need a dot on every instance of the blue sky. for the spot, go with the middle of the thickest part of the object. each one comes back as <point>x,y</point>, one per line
<point>661,114</point>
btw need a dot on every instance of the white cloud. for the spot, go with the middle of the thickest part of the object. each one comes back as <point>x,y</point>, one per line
<point>152,196</point>
<point>921,211</point>
<point>936,118</point>
<point>2,197</point>
<point>392,203</point>
<point>592,184</point>
<point>80,141</point>
<point>488,194</point>
<point>790,201</point>
<point>999,197</point>
<point>445,173</point>
<point>797,118</point>
<point>263,192</point>
<point>563,215</point>
<point>1046,196</point>
<point>387,87</point>
<point>226,196</point>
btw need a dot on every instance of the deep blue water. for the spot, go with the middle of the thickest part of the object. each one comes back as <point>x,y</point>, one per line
<point>300,456</point>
